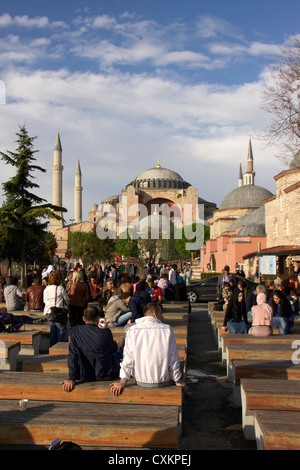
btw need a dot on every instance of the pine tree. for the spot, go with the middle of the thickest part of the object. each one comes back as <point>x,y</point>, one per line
<point>21,224</point>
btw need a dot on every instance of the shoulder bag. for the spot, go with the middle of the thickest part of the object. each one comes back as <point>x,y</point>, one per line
<point>58,314</point>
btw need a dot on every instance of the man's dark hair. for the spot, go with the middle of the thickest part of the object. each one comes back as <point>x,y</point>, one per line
<point>125,295</point>
<point>91,314</point>
<point>14,281</point>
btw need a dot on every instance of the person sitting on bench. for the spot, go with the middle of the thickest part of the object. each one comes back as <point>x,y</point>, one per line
<point>150,353</point>
<point>92,352</point>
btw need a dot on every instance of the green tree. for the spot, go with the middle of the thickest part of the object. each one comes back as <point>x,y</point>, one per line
<point>23,215</point>
<point>128,247</point>
<point>181,240</point>
<point>89,248</point>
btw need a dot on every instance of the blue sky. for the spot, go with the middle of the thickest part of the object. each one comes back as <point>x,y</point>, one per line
<point>128,82</point>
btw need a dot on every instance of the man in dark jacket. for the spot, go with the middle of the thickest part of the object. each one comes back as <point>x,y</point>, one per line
<point>136,304</point>
<point>92,352</point>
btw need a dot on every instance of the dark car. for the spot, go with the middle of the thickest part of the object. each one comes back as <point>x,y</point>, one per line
<point>206,290</point>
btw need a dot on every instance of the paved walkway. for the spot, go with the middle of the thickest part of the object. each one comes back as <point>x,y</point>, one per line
<point>210,422</point>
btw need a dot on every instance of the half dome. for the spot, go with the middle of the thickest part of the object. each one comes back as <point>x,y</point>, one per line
<point>245,197</point>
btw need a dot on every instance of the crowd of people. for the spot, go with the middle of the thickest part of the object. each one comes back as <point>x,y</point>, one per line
<point>96,299</point>
<point>273,304</point>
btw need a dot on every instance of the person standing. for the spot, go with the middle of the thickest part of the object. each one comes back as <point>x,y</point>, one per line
<point>78,299</point>
<point>173,274</point>
<point>55,296</point>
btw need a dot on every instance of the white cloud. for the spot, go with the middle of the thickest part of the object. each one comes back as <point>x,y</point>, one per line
<point>253,49</point>
<point>119,125</point>
<point>26,22</point>
<point>119,122</point>
<point>212,26</point>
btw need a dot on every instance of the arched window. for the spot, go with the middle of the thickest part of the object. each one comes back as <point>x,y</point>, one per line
<point>280,202</point>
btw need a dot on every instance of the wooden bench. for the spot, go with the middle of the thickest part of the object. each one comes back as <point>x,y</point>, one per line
<point>271,370</point>
<point>139,417</point>
<point>29,340</point>
<point>273,352</point>
<point>277,430</point>
<point>9,351</point>
<point>177,304</point>
<point>100,425</point>
<point>40,386</point>
<point>250,339</point>
<point>260,394</point>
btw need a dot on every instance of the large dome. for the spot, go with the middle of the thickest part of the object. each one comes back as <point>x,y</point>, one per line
<point>159,173</point>
<point>245,197</point>
<point>159,177</point>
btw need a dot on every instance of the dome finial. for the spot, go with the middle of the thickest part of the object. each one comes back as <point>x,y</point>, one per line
<point>158,164</point>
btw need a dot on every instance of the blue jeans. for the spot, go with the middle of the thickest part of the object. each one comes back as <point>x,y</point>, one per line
<point>282,324</point>
<point>122,319</point>
<point>237,327</point>
<point>57,332</point>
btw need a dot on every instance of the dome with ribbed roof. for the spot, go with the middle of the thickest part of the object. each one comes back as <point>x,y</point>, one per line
<point>245,197</point>
<point>159,177</point>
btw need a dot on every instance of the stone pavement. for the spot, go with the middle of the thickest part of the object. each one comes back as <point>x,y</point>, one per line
<point>210,421</point>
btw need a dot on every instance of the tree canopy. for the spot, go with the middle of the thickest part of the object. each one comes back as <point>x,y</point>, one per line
<point>281,99</point>
<point>24,215</point>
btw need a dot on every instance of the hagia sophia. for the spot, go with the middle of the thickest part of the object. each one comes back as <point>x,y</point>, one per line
<point>250,223</point>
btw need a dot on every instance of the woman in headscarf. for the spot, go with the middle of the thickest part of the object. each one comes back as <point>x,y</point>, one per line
<point>262,315</point>
<point>235,318</point>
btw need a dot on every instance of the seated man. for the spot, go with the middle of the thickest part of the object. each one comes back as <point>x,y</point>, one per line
<point>14,298</point>
<point>91,352</point>
<point>135,304</point>
<point>150,353</point>
<point>34,295</point>
<point>116,312</point>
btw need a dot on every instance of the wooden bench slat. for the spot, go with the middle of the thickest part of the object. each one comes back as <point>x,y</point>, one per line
<point>104,425</point>
<point>251,369</point>
<point>267,395</point>
<point>37,385</point>
<point>277,430</point>
<point>272,352</point>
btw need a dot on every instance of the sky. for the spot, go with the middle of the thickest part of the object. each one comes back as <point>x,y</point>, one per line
<point>129,82</point>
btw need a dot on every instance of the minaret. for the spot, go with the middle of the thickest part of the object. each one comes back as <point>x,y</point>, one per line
<point>78,195</point>
<point>249,175</point>
<point>240,175</point>
<point>57,185</point>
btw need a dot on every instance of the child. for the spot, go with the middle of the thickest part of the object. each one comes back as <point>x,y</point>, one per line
<point>294,300</point>
<point>226,294</point>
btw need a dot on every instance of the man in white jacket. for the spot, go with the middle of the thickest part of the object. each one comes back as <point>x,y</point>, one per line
<point>150,353</point>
